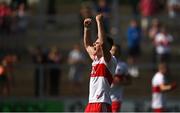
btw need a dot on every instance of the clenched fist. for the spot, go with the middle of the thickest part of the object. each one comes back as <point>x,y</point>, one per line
<point>87,22</point>
<point>99,17</point>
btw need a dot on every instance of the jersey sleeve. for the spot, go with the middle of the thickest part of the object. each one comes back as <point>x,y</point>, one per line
<point>121,69</point>
<point>159,79</point>
<point>112,65</point>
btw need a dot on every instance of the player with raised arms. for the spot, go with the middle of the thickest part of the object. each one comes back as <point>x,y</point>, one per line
<point>103,67</point>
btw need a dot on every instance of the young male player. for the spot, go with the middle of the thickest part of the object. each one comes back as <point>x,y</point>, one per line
<point>159,86</point>
<point>120,79</point>
<point>103,67</point>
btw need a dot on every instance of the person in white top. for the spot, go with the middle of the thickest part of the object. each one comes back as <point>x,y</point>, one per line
<point>76,61</point>
<point>120,79</point>
<point>173,8</point>
<point>159,86</point>
<point>162,42</point>
<point>103,67</point>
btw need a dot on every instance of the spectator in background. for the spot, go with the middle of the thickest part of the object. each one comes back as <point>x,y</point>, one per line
<point>2,14</point>
<point>173,8</point>
<point>134,36</point>
<point>103,6</point>
<point>85,12</point>
<point>39,58</point>
<point>4,82</point>
<point>153,31</point>
<point>134,6</point>
<point>163,41</point>
<point>76,61</point>
<point>7,74</point>
<point>159,86</point>
<point>5,18</point>
<point>9,61</point>
<point>54,59</point>
<point>51,11</point>
<point>148,8</point>
<point>22,18</point>
<point>15,4</point>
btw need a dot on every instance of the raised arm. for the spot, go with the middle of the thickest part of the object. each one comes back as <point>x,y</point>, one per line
<point>103,38</point>
<point>87,35</point>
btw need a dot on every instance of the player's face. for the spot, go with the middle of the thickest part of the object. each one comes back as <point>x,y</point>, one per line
<point>164,70</point>
<point>97,48</point>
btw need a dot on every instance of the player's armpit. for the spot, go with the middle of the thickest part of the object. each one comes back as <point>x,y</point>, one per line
<point>90,51</point>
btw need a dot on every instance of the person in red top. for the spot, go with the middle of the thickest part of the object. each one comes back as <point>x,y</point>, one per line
<point>148,8</point>
<point>5,13</point>
<point>103,67</point>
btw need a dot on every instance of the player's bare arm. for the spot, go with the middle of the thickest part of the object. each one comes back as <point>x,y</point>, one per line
<point>122,81</point>
<point>165,87</point>
<point>102,38</point>
<point>87,35</point>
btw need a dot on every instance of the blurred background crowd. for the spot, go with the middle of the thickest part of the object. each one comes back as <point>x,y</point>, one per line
<point>42,55</point>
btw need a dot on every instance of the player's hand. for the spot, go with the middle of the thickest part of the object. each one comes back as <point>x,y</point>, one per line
<point>173,85</point>
<point>99,17</point>
<point>87,22</point>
